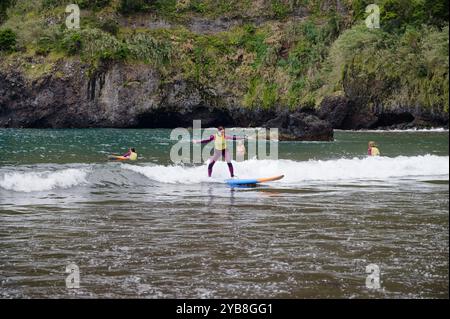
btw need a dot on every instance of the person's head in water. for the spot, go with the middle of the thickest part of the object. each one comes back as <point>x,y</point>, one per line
<point>373,149</point>
<point>133,150</point>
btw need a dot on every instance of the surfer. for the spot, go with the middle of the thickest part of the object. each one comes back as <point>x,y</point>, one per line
<point>373,149</point>
<point>240,151</point>
<point>220,149</point>
<point>131,154</point>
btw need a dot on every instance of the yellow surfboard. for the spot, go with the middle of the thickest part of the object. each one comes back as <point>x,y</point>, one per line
<point>118,158</point>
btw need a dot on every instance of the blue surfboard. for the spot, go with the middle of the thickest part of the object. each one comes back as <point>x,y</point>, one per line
<point>252,181</point>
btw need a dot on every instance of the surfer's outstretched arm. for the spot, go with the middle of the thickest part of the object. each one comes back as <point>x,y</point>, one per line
<point>210,139</point>
<point>234,138</point>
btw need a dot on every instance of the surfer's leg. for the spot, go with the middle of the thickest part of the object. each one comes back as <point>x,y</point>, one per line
<point>210,168</point>
<point>212,161</point>
<point>226,156</point>
<point>230,168</point>
<point>228,160</point>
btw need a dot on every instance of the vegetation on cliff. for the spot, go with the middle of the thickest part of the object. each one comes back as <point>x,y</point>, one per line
<point>272,53</point>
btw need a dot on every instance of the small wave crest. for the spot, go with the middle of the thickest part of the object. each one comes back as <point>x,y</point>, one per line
<point>42,181</point>
<point>368,168</point>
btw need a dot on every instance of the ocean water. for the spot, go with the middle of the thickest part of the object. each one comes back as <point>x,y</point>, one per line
<point>155,229</point>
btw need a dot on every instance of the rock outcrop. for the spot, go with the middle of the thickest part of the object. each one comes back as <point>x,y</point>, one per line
<point>343,113</point>
<point>304,125</point>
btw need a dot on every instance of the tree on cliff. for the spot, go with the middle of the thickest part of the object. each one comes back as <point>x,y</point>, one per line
<point>7,40</point>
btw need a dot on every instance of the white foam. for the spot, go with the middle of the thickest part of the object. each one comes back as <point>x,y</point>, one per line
<point>436,129</point>
<point>176,174</point>
<point>42,181</point>
<point>367,168</point>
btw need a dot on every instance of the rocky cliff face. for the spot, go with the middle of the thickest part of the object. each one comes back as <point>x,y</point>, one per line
<point>133,96</point>
<point>130,96</point>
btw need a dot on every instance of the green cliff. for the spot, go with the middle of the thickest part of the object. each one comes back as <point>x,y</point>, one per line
<point>258,55</point>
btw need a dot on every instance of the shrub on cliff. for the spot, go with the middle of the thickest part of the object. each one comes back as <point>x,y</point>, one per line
<point>110,25</point>
<point>131,6</point>
<point>280,9</point>
<point>7,40</point>
<point>398,14</point>
<point>83,4</point>
<point>92,4</point>
<point>144,47</point>
<point>71,42</point>
<point>94,44</point>
<point>47,4</point>
<point>4,4</point>
<point>392,71</point>
<point>198,6</point>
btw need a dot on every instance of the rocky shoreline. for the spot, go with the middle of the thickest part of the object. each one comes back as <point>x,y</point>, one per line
<point>134,96</point>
